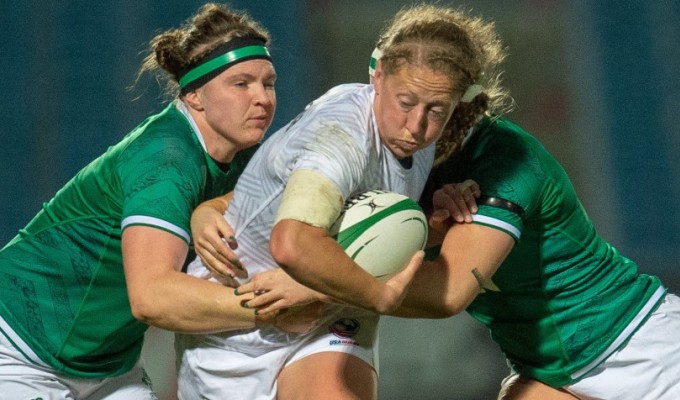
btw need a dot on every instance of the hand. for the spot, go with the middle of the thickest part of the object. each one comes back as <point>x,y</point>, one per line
<point>397,286</point>
<point>275,291</point>
<point>214,241</point>
<point>456,201</point>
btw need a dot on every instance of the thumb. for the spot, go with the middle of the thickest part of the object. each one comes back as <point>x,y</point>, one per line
<point>406,275</point>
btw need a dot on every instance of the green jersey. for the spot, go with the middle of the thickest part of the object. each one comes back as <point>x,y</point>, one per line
<point>566,298</point>
<point>63,299</point>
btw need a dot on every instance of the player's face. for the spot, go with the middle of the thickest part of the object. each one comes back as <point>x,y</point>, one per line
<point>412,107</point>
<point>238,107</point>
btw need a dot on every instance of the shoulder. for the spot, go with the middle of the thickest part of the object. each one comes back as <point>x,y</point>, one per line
<point>352,101</point>
<point>504,159</point>
<point>504,149</point>
<point>162,152</point>
<point>162,139</point>
<point>501,136</point>
<point>341,118</point>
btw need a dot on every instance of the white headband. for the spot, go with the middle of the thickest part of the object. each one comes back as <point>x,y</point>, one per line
<point>375,56</point>
<point>472,91</point>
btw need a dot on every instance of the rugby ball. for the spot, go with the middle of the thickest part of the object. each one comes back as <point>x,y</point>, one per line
<point>381,231</point>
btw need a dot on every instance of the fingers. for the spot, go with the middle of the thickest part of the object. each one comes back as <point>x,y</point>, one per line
<point>440,221</point>
<point>460,196</point>
<point>218,267</point>
<point>276,290</point>
<point>216,253</point>
<point>266,308</point>
<point>472,187</point>
<point>471,193</point>
<point>214,242</point>
<point>264,302</point>
<point>458,199</point>
<point>266,281</point>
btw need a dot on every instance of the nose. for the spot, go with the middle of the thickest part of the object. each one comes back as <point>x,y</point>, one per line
<point>416,122</point>
<point>262,96</point>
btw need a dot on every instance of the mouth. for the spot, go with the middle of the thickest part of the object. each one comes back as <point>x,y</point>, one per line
<point>260,120</point>
<point>262,117</point>
<point>407,146</point>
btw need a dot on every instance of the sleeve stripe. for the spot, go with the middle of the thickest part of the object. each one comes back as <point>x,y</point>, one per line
<point>156,222</point>
<point>497,223</point>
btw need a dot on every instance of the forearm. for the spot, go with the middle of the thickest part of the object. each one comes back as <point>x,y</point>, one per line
<point>327,269</point>
<point>470,255</point>
<point>432,294</point>
<point>315,260</point>
<point>182,303</point>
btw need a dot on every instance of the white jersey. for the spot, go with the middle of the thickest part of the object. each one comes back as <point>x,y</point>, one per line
<point>335,136</point>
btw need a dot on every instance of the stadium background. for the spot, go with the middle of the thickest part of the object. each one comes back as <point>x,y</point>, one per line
<point>597,82</point>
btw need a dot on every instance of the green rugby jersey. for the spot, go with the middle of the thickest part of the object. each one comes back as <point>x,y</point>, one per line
<point>566,297</point>
<point>62,282</point>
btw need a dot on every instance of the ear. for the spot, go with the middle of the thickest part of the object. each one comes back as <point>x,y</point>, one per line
<point>193,100</point>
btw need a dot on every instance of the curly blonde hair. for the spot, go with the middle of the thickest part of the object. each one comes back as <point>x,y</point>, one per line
<point>466,48</point>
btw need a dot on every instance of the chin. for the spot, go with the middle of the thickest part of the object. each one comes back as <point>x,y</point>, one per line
<point>401,153</point>
<point>254,135</point>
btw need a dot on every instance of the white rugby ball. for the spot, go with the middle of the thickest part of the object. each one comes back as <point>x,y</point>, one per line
<point>381,231</point>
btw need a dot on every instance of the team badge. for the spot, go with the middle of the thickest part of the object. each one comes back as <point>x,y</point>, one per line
<point>345,328</point>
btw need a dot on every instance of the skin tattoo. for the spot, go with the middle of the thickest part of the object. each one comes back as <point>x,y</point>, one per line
<point>484,284</point>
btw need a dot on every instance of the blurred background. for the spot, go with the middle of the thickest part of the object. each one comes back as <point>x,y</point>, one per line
<point>596,81</point>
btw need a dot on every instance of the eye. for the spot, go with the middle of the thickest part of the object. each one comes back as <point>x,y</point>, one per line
<point>406,105</point>
<point>438,113</point>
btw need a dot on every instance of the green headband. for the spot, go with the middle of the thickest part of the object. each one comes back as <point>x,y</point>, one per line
<point>227,57</point>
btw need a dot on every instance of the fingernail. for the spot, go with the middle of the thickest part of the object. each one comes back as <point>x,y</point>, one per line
<point>256,312</point>
<point>245,305</point>
<point>238,264</point>
<point>232,238</point>
<point>236,291</point>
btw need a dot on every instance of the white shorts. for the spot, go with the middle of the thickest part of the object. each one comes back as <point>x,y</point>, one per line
<point>246,364</point>
<point>647,367</point>
<point>22,379</point>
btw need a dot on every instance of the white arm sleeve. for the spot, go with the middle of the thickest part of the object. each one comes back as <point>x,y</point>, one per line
<point>311,198</point>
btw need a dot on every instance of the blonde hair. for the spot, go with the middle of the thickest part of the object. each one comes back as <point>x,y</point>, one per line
<point>466,48</point>
<point>172,52</point>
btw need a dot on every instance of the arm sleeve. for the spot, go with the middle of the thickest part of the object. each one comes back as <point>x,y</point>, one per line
<point>161,181</point>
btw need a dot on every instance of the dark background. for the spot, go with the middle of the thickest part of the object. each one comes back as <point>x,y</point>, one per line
<point>597,82</point>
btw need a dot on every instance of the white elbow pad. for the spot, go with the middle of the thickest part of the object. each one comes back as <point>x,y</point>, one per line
<point>311,198</point>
